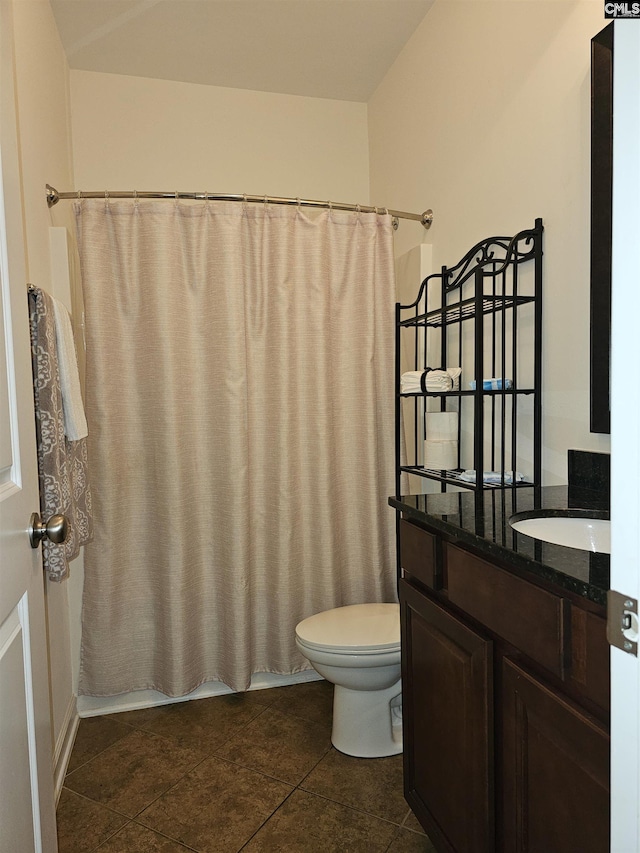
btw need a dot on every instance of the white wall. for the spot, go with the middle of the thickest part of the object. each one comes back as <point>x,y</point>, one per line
<point>137,133</point>
<point>485,117</point>
<point>45,151</point>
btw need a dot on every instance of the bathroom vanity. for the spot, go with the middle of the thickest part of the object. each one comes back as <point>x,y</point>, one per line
<point>505,672</point>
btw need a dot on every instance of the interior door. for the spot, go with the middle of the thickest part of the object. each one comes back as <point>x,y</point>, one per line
<point>625,432</point>
<point>27,813</point>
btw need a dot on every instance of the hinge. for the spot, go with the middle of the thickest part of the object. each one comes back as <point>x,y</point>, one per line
<point>622,622</point>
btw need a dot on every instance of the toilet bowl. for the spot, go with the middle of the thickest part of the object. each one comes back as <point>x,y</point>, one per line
<point>357,648</point>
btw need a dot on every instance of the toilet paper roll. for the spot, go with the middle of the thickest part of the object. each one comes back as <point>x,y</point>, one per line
<point>441,445</point>
<point>440,455</point>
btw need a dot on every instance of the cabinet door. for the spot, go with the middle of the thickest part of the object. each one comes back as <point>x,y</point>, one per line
<point>448,725</point>
<point>555,771</point>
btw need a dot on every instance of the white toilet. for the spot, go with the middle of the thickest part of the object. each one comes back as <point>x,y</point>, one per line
<point>357,648</point>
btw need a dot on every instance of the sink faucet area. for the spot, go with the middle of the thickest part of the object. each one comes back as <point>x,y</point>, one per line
<point>571,529</point>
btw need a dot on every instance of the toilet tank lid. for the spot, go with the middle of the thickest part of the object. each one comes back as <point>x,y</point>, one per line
<point>356,626</point>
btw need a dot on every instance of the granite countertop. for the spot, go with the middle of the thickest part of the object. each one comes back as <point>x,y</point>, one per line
<point>486,527</point>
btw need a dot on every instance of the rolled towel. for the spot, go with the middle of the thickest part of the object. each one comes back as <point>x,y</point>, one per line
<point>454,373</point>
<point>420,381</point>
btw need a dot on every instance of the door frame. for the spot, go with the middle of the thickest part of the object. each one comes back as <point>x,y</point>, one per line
<point>21,578</point>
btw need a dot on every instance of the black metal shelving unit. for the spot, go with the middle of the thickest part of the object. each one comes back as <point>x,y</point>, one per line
<point>483,315</point>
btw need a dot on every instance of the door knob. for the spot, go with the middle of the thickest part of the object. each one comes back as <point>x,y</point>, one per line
<point>55,529</point>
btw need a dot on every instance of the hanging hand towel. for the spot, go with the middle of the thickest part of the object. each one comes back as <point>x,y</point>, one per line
<point>62,464</point>
<point>75,422</point>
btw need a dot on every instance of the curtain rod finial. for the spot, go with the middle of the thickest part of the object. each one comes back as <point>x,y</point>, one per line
<point>427,218</point>
<point>52,196</point>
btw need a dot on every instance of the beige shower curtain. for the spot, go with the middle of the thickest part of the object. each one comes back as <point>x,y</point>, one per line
<point>240,399</point>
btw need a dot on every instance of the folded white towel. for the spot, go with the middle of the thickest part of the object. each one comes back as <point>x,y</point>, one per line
<point>75,422</point>
<point>454,373</point>
<point>434,380</point>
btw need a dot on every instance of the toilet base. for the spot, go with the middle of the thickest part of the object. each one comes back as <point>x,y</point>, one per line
<point>367,723</point>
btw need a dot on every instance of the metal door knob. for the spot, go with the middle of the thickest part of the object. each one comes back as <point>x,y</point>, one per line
<point>55,529</point>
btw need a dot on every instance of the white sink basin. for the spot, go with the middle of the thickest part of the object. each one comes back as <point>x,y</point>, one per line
<point>587,534</point>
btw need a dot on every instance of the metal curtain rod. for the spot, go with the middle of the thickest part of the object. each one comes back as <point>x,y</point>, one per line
<point>426,218</point>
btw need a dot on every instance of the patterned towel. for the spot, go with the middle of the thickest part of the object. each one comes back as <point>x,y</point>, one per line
<point>62,464</point>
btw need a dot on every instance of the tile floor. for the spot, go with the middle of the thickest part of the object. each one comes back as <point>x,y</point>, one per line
<point>254,772</point>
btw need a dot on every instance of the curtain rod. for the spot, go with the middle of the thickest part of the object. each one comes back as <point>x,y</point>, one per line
<point>426,218</point>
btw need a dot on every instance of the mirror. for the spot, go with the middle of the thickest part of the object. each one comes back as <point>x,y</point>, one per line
<point>601,192</point>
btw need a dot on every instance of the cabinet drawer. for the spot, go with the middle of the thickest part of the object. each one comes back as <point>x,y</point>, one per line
<point>534,621</point>
<point>418,554</point>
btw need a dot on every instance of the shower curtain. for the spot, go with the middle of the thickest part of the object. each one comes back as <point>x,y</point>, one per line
<point>240,400</point>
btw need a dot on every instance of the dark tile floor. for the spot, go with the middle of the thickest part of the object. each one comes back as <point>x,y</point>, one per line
<point>254,772</point>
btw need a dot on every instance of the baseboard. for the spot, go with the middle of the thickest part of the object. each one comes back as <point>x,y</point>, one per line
<point>64,745</point>
<point>95,706</point>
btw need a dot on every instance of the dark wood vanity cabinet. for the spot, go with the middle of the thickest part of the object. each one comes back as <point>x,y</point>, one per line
<point>505,704</point>
<point>448,719</point>
<point>555,760</point>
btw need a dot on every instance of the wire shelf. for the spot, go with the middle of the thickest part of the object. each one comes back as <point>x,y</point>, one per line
<point>496,392</point>
<point>452,477</point>
<point>465,310</point>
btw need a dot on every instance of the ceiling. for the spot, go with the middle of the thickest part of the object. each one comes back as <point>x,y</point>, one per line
<point>337,49</point>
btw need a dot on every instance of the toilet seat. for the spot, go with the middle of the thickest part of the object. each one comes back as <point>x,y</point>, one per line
<point>354,629</point>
